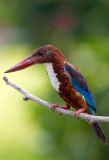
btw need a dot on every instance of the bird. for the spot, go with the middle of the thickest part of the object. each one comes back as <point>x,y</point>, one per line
<point>67,80</point>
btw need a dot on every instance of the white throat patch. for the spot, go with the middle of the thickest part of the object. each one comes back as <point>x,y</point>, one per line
<point>52,76</point>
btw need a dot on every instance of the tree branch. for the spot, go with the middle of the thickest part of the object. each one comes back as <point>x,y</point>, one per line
<point>27,96</point>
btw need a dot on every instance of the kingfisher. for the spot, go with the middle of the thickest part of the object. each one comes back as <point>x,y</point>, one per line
<point>67,80</point>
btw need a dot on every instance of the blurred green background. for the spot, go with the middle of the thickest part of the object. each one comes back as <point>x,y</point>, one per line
<point>80,29</point>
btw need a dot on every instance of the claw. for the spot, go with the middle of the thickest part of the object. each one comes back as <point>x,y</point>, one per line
<point>59,114</point>
<point>76,115</point>
<point>54,106</point>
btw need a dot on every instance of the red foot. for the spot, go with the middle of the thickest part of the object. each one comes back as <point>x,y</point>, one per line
<point>56,105</point>
<point>76,115</point>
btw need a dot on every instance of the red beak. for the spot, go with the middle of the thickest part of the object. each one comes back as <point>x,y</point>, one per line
<point>29,61</point>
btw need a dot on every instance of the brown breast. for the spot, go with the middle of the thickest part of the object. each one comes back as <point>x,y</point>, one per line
<point>66,89</point>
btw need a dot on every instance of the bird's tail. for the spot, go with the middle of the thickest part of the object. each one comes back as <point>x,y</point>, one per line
<point>99,132</point>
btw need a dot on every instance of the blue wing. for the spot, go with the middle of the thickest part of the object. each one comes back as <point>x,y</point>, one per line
<point>80,84</point>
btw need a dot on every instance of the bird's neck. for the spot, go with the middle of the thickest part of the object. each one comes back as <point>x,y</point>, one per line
<point>53,71</point>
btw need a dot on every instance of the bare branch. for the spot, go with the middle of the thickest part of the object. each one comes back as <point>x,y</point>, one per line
<point>28,96</point>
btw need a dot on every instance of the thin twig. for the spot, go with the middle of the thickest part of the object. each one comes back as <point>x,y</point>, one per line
<point>28,96</point>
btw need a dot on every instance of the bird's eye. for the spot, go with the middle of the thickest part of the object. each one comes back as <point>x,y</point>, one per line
<point>40,53</point>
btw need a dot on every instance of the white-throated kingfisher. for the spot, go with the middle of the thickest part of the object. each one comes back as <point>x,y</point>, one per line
<point>66,79</point>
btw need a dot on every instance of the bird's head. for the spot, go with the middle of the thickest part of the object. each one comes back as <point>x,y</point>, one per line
<point>45,54</point>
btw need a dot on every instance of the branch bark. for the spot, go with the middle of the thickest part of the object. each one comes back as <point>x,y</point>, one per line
<point>27,96</point>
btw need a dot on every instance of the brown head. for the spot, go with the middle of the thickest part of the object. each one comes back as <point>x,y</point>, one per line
<point>45,54</point>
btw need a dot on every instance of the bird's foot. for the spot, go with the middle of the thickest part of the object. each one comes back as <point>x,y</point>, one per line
<point>66,108</point>
<point>76,115</point>
<point>56,105</point>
